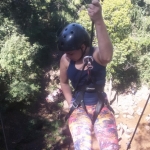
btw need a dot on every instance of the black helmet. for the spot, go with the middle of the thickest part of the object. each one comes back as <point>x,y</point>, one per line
<point>72,37</point>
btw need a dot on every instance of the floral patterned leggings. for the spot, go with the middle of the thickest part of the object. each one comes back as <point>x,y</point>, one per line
<point>81,127</point>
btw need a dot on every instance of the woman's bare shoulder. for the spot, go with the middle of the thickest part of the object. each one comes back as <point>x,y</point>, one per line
<point>64,61</point>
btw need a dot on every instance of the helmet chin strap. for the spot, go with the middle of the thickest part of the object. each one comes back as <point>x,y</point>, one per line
<point>83,53</point>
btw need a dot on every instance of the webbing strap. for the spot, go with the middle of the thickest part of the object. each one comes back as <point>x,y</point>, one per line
<point>99,107</point>
<point>76,103</point>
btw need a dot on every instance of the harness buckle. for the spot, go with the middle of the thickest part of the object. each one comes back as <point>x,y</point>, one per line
<point>75,105</point>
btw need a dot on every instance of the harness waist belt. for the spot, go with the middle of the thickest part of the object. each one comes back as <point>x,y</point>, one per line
<point>90,89</point>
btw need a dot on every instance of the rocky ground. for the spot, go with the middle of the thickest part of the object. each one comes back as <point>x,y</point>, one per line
<point>128,109</point>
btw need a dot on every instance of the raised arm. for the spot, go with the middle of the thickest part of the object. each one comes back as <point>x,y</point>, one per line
<point>105,48</point>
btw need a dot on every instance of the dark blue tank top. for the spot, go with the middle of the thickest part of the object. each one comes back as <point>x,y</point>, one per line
<point>98,74</point>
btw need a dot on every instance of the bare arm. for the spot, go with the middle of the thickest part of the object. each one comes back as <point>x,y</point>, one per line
<point>64,79</point>
<point>105,48</point>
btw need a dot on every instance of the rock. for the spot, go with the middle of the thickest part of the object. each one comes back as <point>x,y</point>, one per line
<point>131,111</point>
<point>57,72</point>
<point>147,128</point>
<point>143,93</point>
<point>130,117</point>
<point>139,111</point>
<point>116,111</point>
<point>127,136</point>
<point>118,127</point>
<point>128,131</point>
<point>124,116</point>
<point>148,118</point>
<point>49,98</point>
<point>125,111</point>
<point>116,116</point>
<point>125,127</point>
<point>120,132</point>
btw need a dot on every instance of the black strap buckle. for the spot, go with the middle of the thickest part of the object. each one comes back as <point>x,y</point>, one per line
<point>90,89</point>
<point>75,105</point>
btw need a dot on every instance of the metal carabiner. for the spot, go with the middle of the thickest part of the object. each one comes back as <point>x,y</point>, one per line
<point>88,60</point>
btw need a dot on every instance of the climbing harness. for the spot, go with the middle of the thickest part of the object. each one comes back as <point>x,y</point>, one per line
<point>129,144</point>
<point>86,87</point>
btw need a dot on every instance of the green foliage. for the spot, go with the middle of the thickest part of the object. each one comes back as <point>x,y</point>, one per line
<point>128,26</point>
<point>6,29</point>
<point>84,19</point>
<point>116,15</point>
<point>144,70</point>
<point>18,70</point>
<point>122,69</point>
<point>141,35</point>
<point>35,22</point>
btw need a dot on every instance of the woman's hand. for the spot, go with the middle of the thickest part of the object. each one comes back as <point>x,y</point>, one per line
<point>95,11</point>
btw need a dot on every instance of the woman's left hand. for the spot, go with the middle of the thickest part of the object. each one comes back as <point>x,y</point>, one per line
<point>95,11</point>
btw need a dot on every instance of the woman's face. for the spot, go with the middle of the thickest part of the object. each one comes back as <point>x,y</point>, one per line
<point>74,55</point>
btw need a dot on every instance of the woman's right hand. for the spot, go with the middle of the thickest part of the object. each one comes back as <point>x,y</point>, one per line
<point>95,11</point>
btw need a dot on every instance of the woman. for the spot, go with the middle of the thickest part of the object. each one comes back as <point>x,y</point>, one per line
<point>75,42</point>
